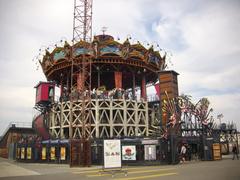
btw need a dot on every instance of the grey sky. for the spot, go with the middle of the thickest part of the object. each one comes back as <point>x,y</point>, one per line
<point>203,36</point>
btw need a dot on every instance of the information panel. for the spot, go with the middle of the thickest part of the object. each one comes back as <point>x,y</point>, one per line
<point>112,154</point>
<point>150,152</point>
<point>129,153</point>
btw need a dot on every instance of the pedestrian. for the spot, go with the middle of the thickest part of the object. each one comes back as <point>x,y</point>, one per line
<point>189,153</point>
<point>183,153</point>
<point>235,152</point>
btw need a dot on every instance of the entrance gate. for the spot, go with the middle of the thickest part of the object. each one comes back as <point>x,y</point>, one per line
<point>80,153</point>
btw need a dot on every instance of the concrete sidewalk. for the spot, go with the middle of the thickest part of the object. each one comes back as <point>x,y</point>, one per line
<point>224,169</point>
<point>8,169</point>
<point>11,168</point>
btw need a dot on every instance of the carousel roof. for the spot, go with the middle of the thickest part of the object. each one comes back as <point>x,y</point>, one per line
<point>102,50</point>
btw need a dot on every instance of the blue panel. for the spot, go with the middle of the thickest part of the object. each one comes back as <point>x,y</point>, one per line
<point>79,51</point>
<point>59,55</point>
<point>154,59</point>
<point>110,49</point>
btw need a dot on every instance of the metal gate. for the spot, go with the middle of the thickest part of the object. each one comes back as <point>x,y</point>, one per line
<point>80,153</point>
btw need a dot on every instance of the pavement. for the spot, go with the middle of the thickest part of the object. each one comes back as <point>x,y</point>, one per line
<point>225,169</point>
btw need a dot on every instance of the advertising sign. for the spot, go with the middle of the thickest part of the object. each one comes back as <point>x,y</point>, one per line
<point>29,153</point>
<point>22,153</point>
<point>18,153</point>
<point>129,153</point>
<point>63,153</point>
<point>149,152</point>
<point>44,153</point>
<point>52,153</point>
<point>112,154</point>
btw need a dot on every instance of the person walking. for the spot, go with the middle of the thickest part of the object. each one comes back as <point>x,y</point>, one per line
<point>183,153</point>
<point>235,151</point>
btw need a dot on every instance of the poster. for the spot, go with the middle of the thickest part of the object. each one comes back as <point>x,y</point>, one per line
<point>63,153</point>
<point>112,154</point>
<point>23,153</point>
<point>29,153</point>
<point>44,153</point>
<point>129,153</point>
<point>18,153</point>
<point>52,153</point>
<point>150,152</point>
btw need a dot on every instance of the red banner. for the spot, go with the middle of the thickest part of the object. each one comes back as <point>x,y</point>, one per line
<point>157,89</point>
<point>80,82</point>
<point>118,79</point>
<point>143,88</point>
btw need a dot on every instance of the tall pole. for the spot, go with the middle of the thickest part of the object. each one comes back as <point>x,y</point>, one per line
<point>82,31</point>
<point>82,22</point>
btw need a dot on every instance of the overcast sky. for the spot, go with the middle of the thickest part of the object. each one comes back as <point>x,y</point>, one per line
<point>202,35</point>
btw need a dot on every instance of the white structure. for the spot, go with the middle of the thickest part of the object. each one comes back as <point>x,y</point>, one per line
<point>109,118</point>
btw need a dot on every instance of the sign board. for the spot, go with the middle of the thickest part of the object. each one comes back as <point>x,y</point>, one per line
<point>29,153</point>
<point>22,153</point>
<point>149,152</point>
<point>129,153</point>
<point>149,141</point>
<point>112,153</point>
<point>44,153</point>
<point>63,153</point>
<point>52,153</point>
<point>18,153</point>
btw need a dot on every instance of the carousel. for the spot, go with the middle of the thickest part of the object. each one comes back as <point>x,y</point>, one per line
<point>116,76</point>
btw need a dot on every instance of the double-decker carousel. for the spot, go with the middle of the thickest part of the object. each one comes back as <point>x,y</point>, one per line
<point>118,76</point>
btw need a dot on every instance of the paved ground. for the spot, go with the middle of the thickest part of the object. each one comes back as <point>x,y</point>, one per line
<point>225,169</point>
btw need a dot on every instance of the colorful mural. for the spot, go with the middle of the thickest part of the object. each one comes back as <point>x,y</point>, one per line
<point>59,55</point>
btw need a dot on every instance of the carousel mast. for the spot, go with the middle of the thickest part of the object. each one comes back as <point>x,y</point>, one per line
<point>82,21</point>
<point>82,31</point>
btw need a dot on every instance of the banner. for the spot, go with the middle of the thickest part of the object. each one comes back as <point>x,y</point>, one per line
<point>143,88</point>
<point>22,153</point>
<point>80,82</point>
<point>18,153</point>
<point>129,153</point>
<point>52,153</point>
<point>44,153</point>
<point>63,153</point>
<point>29,153</point>
<point>118,79</point>
<point>112,154</point>
<point>150,152</point>
<point>157,89</point>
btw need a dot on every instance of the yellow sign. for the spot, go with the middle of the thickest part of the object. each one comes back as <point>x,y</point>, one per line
<point>22,153</point>
<point>44,153</point>
<point>52,153</point>
<point>63,153</point>
<point>29,153</point>
<point>18,153</point>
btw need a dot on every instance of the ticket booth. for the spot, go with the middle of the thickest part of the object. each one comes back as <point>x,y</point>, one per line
<point>45,92</point>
